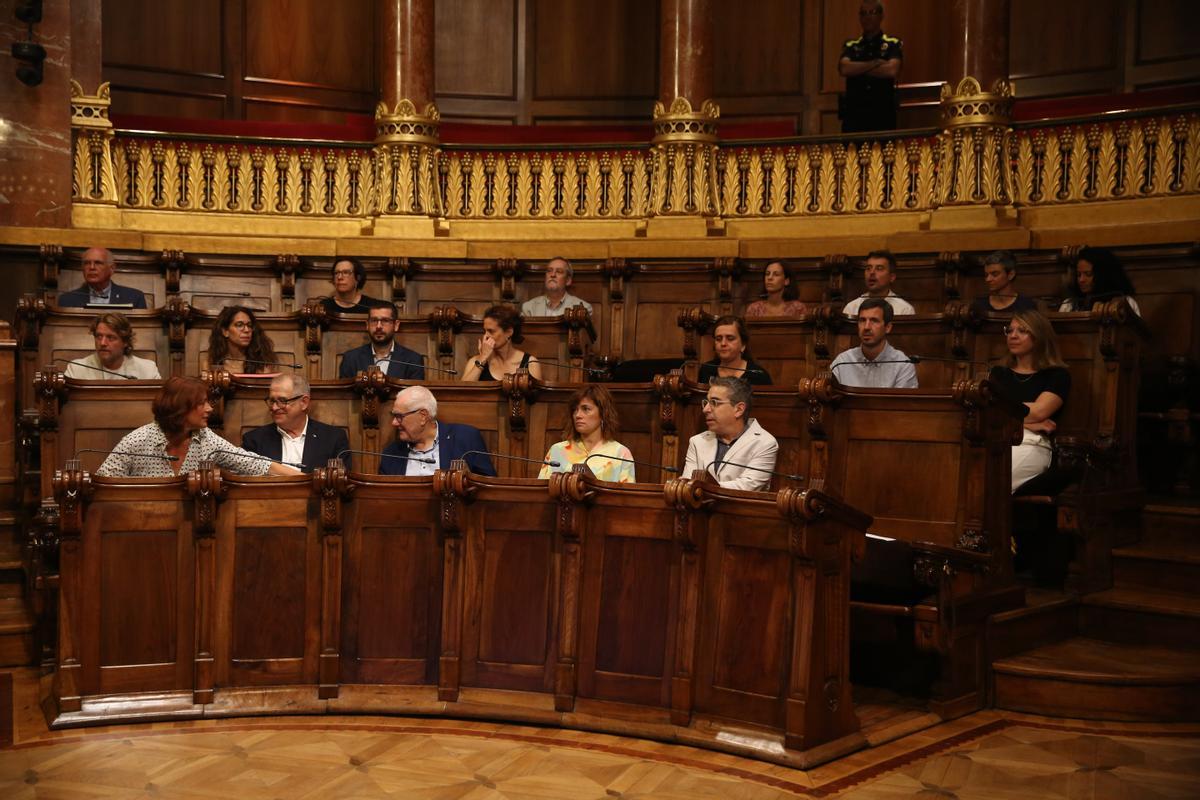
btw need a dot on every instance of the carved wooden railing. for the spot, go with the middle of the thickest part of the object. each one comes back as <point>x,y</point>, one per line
<point>1119,156</point>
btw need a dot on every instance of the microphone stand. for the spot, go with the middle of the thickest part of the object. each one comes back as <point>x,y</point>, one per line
<point>89,366</point>
<point>720,464</point>
<point>265,363</point>
<point>672,470</point>
<point>542,461</point>
<point>414,364</point>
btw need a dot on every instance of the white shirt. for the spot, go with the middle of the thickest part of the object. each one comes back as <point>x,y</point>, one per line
<point>899,305</point>
<point>293,446</point>
<point>1069,305</point>
<point>414,467</point>
<point>853,368</point>
<point>540,306</point>
<point>88,369</point>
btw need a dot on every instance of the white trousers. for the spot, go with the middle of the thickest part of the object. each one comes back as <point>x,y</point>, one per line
<point>1030,458</point>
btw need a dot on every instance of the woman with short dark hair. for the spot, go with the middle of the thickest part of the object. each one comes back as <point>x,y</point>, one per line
<point>590,437</point>
<point>239,344</point>
<point>498,355</point>
<point>348,277</point>
<point>179,439</point>
<point>731,341</point>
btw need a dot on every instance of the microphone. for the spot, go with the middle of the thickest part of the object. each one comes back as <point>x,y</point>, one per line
<point>947,359</point>
<point>89,366</point>
<point>542,461</point>
<point>719,366</point>
<point>720,464</point>
<point>553,363</point>
<point>256,456</point>
<point>222,294</point>
<point>415,364</point>
<point>386,455</point>
<point>672,470</point>
<point>123,453</point>
<point>263,363</point>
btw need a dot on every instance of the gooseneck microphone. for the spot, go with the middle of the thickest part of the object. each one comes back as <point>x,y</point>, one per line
<point>722,464</point>
<point>415,364</point>
<point>718,366</point>
<point>672,470</point>
<point>257,457</point>
<point>262,363</point>
<point>89,366</point>
<point>154,456</point>
<point>386,455</point>
<point>542,461</point>
<point>568,365</point>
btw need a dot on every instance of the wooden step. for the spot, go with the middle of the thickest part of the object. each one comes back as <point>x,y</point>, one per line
<point>1167,566</point>
<point>1177,521</point>
<point>16,632</point>
<point>1141,616</point>
<point>1094,679</point>
<point>1047,617</point>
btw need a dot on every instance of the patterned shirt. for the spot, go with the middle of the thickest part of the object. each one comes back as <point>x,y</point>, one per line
<point>142,452</point>
<point>540,306</point>
<point>572,452</point>
<point>791,308</point>
<point>888,370</point>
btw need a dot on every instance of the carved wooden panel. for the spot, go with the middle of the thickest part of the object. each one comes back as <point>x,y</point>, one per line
<point>475,49</point>
<point>1036,51</point>
<point>329,45</point>
<point>1165,30</point>
<point>186,36</point>
<point>772,66</point>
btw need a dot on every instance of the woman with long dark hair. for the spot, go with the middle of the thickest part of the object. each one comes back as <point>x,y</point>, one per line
<point>1098,277</point>
<point>179,439</point>
<point>780,298</point>
<point>238,343</point>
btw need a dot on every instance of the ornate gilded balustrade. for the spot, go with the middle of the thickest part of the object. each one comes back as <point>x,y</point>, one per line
<point>1117,157</point>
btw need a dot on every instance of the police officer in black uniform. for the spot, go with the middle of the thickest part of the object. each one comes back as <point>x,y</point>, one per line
<point>871,64</point>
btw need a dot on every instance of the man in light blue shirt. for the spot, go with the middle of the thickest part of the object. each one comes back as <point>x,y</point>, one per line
<point>874,364</point>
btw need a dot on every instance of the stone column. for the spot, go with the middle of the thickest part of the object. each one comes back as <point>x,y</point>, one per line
<point>976,114</point>
<point>684,157</point>
<point>406,118</point>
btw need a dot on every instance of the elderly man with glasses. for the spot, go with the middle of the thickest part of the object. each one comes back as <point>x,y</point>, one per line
<point>735,449</point>
<point>293,437</point>
<point>425,444</point>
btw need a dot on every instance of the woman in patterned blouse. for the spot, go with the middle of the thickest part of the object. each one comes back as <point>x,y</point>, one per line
<point>780,297</point>
<point>179,439</point>
<point>590,432</point>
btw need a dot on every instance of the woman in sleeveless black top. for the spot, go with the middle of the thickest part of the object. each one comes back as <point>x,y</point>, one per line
<point>498,355</point>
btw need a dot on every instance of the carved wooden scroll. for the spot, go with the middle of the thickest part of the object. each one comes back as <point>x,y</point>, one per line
<point>31,313</point>
<point>401,270</point>
<point>173,264</point>
<point>727,270</point>
<point>520,388</point>
<point>447,321</point>
<point>953,267</point>
<point>837,268</point>
<point>50,392</point>
<point>454,490</point>
<point>206,490</point>
<point>372,387</point>
<point>72,488</point>
<point>695,322</point>
<point>572,491</point>
<point>287,266</point>
<point>508,271</point>
<point>50,258</point>
<point>686,497</point>
<point>332,486</point>
<point>220,387</point>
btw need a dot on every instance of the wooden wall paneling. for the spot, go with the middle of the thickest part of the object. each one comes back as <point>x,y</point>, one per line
<point>629,596</point>
<point>187,36</point>
<point>137,556</point>
<point>309,42</point>
<point>652,309</point>
<point>757,49</point>
<point>268,600</point>
<point>1042,66</point>
<point>393,584</point>
<point>510,577</point>
<point>1160,48</point>
<point>583,50</point>
<point>476,52</point>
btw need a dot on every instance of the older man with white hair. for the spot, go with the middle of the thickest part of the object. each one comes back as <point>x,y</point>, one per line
<point>98,288</point>
<point>425,444</point>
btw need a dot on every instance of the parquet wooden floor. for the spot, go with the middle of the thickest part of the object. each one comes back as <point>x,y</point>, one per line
<point>985,755</point>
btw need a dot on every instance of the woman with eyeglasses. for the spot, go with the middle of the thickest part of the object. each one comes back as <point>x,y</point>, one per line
<point>1036,375</point>
<point>1098,277</point>
<point>590,437</point>
<point>348,277</point>
<point>238,344</point>
<point>731,341</point>
<point>179,439</point>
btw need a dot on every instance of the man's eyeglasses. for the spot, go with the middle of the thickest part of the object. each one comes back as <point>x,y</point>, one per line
<point>708,401</point>
<point>399,416</point>
<point>281,402</point>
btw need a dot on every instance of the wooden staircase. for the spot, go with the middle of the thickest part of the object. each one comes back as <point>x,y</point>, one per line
<point>1126,653</point>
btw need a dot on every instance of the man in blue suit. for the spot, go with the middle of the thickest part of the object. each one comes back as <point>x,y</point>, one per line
<point>423,444</point>
<point>293,436</point>
<point>396,360</point>
<point>98,288</point>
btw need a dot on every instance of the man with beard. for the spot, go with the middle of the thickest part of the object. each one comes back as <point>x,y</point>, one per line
<point>879,273</point>
<point>556,300</point>
<point>874,364</point>
<point>113,336</point>
<point>394,359</point>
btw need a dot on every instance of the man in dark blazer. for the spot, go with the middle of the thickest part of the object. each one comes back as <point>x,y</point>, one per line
<point>293,436</point>
<point>98,288</point>
<point>424,444</point>
<point>404,364</point>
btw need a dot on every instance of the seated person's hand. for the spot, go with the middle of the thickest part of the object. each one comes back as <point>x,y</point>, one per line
<point>1045,426</point>
<point>486,347</point>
